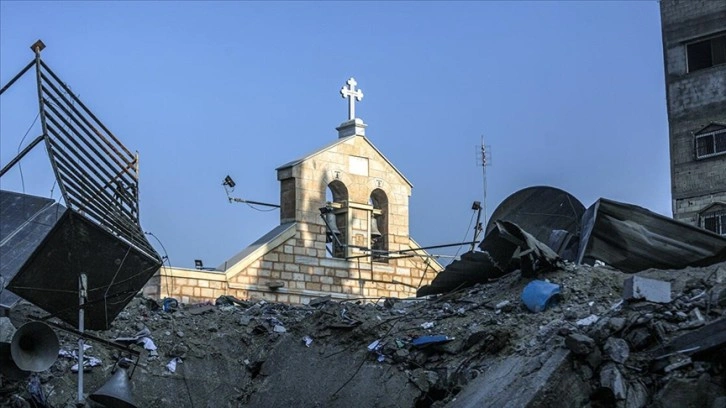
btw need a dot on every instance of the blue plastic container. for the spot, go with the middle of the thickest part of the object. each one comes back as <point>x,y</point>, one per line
<point>538,295</point>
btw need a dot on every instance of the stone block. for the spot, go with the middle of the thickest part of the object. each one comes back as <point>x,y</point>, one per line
<point>580,344</point>
<point>612,379</point>
<point>652,290</point>
<point>617,349</point>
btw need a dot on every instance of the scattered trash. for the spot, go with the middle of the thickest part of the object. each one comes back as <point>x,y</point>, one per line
<point>279,328</point>
<point>88,362</point>
<point>169,304</point>
<point>538,295</point>
<point>171,366</point>
<point>375,345</point>
<point>427,325</point>
<point>428,340</point>
<point>587,321</point>
<point>148,343</point>
<point>307,340</point>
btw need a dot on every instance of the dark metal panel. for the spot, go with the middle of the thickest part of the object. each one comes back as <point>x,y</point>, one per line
<point>470,269</point>
<point>495,260</point>
<point>540,210</point>
<point>632,239</point>
<point>116,271</point>
<point>25,221</point>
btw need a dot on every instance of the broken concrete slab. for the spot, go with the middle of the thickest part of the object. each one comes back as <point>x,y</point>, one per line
<point>289,382</point>
<point>580,344</point>
<point>652,290</point>
<point>513,382</point>
<point>706,339</point>
<point>687,392</point>
<point>612,379</point>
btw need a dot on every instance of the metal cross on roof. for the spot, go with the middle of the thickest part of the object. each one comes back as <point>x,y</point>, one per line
<point>352,94</point>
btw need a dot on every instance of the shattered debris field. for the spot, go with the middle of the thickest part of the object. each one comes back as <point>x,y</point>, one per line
<point>473,347</point>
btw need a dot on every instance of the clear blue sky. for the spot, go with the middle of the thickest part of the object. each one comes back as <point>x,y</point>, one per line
<point>568,94</point>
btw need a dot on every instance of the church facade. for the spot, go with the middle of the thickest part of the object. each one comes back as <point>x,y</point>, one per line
<point>343,233</point>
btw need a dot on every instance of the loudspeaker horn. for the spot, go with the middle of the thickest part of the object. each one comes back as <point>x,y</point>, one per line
<point>116,393</point>
<point>34,347</point>
<point>8,368</point>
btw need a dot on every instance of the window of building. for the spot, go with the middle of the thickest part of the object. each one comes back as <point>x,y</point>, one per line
<point>710,143</point>
<point>706,53</point>
<point>715,222</point>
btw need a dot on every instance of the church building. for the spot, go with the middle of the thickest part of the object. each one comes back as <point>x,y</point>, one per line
<point>343,232</point>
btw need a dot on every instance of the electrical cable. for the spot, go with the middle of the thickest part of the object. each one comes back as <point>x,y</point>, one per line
<point>20,167</point>
<point>168,262</point>
<point>471,220</point>
<point>261,210</point>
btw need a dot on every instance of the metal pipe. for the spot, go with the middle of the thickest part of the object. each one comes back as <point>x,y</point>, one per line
<point>20,155</point>
<point>76,117</point>
<point>16,77</point>
<point>93,134</point>
<point>239,200</point>
<point>477,227</point>
<point>44,124</point>
<point>82,285</point>
<point>403,251</point>
<point>80,103</point>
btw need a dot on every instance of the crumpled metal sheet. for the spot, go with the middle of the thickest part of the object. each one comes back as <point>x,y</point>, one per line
<point>504,249</point>
<point>632,239</point>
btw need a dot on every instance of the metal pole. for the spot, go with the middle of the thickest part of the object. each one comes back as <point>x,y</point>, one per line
<point>484,164</point>
<point>477,226</point>
<point>82,294</point>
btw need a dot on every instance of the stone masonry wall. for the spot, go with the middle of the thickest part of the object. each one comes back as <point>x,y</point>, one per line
<point>303,274</point>
<point>306,275</point>
<point>695,99</point>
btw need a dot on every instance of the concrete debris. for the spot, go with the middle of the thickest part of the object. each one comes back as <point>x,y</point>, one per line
<point>612,379</point>
<point>587,321</point>
<point>580,344</point>
<point>652,290</point>
<point>7,330</point>
<point>482,349</point>
<point>616,349</point>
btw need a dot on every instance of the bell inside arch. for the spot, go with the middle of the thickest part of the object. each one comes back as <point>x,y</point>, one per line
<point>332,224</point>
<point>375,232</point>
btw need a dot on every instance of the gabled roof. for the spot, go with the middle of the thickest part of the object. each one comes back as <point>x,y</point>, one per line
<point>711,206</point>
<point>335,143</point>
<point>255,250</point>
<point>711,127</point>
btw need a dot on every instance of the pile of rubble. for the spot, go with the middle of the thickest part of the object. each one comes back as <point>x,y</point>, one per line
<point>479,346</point>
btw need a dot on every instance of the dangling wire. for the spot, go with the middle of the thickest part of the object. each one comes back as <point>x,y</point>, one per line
<point>20,167</point>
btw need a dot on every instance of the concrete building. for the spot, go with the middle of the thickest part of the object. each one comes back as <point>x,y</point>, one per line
<point>694,47</point>
<point>364,251</point>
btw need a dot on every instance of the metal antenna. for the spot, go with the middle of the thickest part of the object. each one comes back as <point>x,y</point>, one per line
<point>484,159</point>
